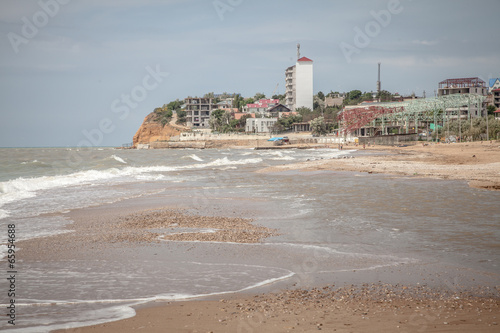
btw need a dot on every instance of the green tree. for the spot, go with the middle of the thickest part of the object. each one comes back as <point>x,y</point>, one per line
<point>491,109</point>
<point>286,122</point>
<point>384,96</point>
<point>259,96</point>
<point>306,113</point>
<point>354,94</point>
<point>174,105</point>
<point>243,120</point>
<point>318,126</point>
<point>321,96</point>
<point>219,120</point>
<point>181,117</point>
<point>237,101</point>
<point>367,96</point>
<point>162,115</point>
<point>282,98</point>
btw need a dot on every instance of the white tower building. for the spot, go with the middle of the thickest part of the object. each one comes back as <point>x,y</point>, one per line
<point>304,83</point>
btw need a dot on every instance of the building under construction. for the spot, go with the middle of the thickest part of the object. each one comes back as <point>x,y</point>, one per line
<point>462,98</point>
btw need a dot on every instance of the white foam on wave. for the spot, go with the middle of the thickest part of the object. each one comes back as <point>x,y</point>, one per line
<point>118,158</point>
<point>226,161</point>
<point>194,157</point>
<point>23,188</point>
<point>227,168</point>
<point>125,310</point>
<point>284,158</point>
<point>104,315</point>
<point>3,251</point>
<point>3,214</point>
<point>32,162</point>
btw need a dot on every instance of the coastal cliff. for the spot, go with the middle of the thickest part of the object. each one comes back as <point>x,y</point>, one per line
<point>151,130</point>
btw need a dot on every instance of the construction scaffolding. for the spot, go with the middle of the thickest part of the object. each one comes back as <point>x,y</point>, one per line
<point>377,118</point>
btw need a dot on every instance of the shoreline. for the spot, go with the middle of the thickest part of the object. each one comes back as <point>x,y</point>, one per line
<point>477,163</point>
<point>120,230</point>
<point>363,308</point>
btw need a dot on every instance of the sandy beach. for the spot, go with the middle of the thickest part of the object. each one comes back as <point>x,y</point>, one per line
<point>366,308</point>
<point>475,162</point>
<point>375,307</point>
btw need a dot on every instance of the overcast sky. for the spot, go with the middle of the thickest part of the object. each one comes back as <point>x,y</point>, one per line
<point>76,71</point>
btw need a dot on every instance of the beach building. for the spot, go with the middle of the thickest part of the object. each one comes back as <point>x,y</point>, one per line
<point>473,85</point>
<point>277,111</point>
<point>494,84</point>
<point>299,84</point>
<point>225,105</point>
<point>496,98</point>
<point>304,86</point>
<point>290,80</point>
<point>198,111</point>
<point>261,106</point>
<point>260,125</point>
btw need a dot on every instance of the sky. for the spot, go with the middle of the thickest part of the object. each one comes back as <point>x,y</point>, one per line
<point>87,72</point>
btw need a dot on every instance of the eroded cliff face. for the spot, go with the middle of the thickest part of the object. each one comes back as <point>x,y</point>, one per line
<point>151,131</point>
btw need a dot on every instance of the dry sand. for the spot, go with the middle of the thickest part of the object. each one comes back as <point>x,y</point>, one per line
<point>477,163</point>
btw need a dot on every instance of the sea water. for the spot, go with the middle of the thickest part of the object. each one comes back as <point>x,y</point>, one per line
<point>330,222</point>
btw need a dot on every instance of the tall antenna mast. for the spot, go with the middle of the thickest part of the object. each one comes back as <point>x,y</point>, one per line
<point>298,51</point>
<point>379,85</point>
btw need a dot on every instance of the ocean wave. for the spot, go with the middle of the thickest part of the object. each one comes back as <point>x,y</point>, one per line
<point>23,188</point>
<point>225,161</point>
<point>3,251</point>
<point>3,214</point>
<point>118,158</point>
<point>194,157</point>
<point>93,312</point>
<point>283,158</point>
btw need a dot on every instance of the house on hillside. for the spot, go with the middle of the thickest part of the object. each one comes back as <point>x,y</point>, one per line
<point>261,106</point>
<point>277,110</point>
<point>494,84</point>
<point>260,125</point>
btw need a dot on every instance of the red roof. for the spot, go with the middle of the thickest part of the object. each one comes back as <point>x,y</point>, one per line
<point>304,59</point>
<point>238,115</point>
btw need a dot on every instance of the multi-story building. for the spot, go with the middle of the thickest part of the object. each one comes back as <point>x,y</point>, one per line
<point>304,86</point>
<point>260,125</point>
<point>290,87</point>
<point>299,84</point>
<point>496,98</point>
<point>472,85</point>
<point>198,111</point>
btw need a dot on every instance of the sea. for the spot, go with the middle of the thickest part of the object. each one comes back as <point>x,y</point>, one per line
<point>334,228</point>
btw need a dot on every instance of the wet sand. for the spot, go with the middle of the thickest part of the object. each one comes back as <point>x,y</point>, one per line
<point>366,308</point>
<point>379,307</point>
<point>477,163</point>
